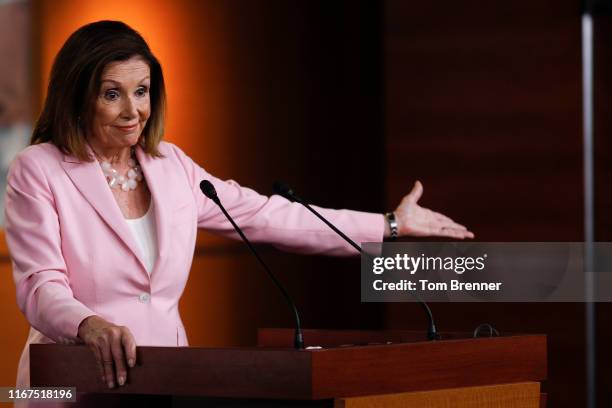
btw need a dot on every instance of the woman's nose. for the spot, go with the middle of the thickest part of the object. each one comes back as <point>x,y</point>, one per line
<point>130,108</point>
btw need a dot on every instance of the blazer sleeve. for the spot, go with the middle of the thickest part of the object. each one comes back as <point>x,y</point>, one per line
<point>277,221</point>
<point>39,271</point>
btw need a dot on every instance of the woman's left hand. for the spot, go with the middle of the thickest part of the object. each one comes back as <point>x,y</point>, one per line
<point>414,220</point>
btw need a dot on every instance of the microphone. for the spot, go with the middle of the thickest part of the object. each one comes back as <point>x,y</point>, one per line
<point>209,191</point>
<point>284,190</point>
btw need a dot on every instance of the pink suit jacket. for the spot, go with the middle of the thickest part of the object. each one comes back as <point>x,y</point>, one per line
<point>74,256</point>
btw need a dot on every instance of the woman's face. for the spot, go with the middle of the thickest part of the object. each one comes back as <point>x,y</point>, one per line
<point>123,104</point>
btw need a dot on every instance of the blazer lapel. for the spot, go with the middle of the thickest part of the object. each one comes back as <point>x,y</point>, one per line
<point>153,171</point>
<point>90,181</point>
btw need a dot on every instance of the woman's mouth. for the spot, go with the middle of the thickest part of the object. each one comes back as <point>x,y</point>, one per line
<point>130,128</point>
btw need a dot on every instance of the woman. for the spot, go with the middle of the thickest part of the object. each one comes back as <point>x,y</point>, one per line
<point>102,215</point>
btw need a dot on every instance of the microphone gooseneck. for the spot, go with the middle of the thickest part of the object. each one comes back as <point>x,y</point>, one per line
<point>284,190</point>
<point>209,191</point>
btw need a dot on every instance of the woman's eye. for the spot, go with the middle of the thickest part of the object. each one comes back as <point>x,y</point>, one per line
<point>142,91</point>
<point>111,95</point>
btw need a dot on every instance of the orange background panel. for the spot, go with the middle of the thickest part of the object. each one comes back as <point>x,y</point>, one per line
<point>185,37</point>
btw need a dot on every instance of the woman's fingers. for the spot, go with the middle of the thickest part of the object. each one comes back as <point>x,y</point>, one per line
<point>437,228</point>
<point>129,346</point>
<point>116,347</point>
<point>447,220</point>
<point>438,225</point>
<point>454,225</point>
<point>442,217</point>
<point>98,357</point>
<point>113,346</point>
<point>446,229</point>
<point>103,343</point>
<point>454,233</point>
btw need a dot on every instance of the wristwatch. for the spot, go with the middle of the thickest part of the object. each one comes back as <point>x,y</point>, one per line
<point>390,217</point>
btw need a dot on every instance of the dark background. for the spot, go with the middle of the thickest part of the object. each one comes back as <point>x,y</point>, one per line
<point>481,101</point>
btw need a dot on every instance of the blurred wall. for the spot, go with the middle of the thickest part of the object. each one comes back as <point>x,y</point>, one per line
<point>258,90</point>
<point>14,85</point>
<point>14,135</point>
<point>483,103</point>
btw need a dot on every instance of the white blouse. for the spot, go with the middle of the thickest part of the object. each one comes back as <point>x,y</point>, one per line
<point>145,233</point>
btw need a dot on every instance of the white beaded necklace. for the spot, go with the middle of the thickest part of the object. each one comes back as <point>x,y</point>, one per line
<point>127,182</point>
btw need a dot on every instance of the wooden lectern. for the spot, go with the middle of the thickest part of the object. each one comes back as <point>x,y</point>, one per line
<point>353,369</point>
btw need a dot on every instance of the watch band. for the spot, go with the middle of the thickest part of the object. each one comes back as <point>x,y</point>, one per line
<point>390,217</point>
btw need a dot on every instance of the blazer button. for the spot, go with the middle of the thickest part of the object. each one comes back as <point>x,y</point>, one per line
<point>144,297</point>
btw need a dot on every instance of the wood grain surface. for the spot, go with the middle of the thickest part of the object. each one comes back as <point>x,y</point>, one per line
<point>517,395</point>
<point>265,372</point>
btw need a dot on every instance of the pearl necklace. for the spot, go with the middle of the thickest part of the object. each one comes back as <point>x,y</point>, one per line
<point>127,182</point>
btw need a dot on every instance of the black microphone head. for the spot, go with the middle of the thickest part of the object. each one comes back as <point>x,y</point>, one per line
<point>209,190</point>
<point>283,190</point>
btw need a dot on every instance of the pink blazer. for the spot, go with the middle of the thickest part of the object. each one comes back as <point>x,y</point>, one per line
<point>74,256</point>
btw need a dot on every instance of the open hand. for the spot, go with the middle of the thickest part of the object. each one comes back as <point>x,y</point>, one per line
<point>414,220</point>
